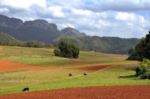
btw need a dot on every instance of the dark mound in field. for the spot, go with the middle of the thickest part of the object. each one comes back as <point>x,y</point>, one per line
<point>114,92</point>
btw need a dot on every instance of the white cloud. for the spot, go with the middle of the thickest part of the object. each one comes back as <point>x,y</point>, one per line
<point>56,11</point>
<point>4,10</point>
<point>66,25</point>
<point>131,18</point>
<point>118,5</point>
<point>123,16</point>
<point>81,12</point>
<point>23,3</point>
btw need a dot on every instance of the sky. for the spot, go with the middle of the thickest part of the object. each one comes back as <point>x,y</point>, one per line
<point>121,18</point>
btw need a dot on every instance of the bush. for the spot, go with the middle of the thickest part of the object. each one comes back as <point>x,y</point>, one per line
<point>143,70</point>
<point>66,49</point>
<point>145,76</point>
<point>57,52</point>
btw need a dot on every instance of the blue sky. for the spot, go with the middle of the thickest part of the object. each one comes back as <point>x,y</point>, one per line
<point>122,18</point>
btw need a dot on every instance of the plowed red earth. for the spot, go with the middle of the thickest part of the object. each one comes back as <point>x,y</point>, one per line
<point>99,67</point>
<point>10,66</point>
<point>115,92</point>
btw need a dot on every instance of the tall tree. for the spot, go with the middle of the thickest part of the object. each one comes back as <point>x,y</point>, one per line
<point>142,49</point>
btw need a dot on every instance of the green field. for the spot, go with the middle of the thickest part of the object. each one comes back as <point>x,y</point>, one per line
<point>55,76</point>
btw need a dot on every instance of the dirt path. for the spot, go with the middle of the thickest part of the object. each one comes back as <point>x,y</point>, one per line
<point>115,92</point>
<point>11,66</point>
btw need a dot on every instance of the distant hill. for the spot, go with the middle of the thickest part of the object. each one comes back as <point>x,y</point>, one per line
<point>102,44</point>
<point>6,39</point>
<point>71,32</point>
<point>41,30</point>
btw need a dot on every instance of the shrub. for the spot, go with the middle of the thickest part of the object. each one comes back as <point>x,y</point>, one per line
<point>143,77</point>
<point>66,49</point>
<point>57,52</point>
<point>143,70</point>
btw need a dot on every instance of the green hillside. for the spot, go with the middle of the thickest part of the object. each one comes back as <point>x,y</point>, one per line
<point>6,39</point>
<point>102,44</point>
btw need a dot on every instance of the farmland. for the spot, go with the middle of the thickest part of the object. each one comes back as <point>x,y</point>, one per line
<point>39,69</point>
<point>109,92</point>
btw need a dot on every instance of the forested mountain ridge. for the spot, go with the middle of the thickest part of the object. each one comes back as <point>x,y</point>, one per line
<point>41,30</point>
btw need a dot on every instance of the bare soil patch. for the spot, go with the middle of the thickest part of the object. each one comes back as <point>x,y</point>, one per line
<point>92,68</point>
<point>113,92</point>
<point>11,66</point>
<point>103,66</point>
<point>1,48</point>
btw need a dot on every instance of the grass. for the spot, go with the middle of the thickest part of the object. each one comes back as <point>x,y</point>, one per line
<point>45,57</point>
<point>31,56</point>
<point>13,82</point>
<point>56,74</point>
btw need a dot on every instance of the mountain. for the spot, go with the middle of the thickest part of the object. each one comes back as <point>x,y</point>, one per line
<point>71,32</point>
<point>38,30</point>
<point>41,30</point>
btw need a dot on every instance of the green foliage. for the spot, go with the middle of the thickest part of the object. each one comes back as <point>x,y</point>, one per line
<point>133,55</point>
<point>36,44</point>
<point>142,49</point>
<point>66,49</point>
<point>143,71</point>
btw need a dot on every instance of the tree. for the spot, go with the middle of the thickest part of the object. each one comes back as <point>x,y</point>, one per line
<point>142,49</point>
<point>66,49</point>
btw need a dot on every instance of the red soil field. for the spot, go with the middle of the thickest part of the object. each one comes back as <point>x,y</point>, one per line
<point>11,66</point>
<point>99,67</point>
<point>113,92</point>
<point>92,68</point>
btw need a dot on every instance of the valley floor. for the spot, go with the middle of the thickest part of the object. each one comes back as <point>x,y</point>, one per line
<point>40,70</point>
